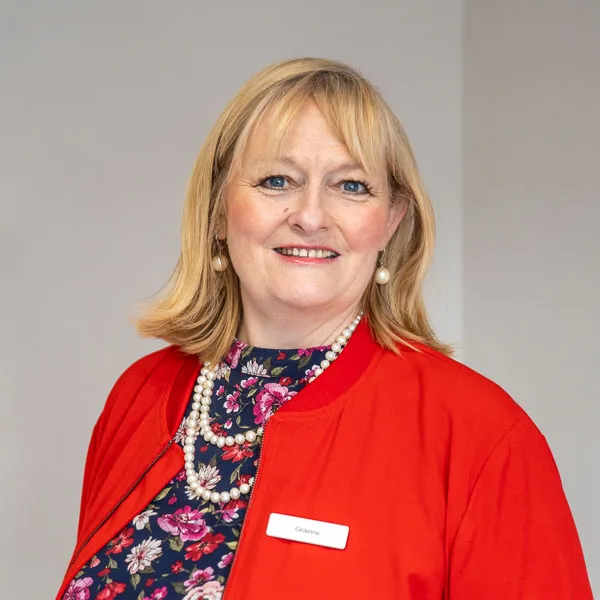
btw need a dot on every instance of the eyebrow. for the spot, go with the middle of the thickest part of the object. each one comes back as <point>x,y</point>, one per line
<point>290,161</point>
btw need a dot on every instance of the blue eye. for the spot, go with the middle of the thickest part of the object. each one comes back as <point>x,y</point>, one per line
<point>355,187</point>
<point>275,181</point>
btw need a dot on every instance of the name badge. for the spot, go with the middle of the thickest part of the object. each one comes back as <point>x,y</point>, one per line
<point>307,531</point>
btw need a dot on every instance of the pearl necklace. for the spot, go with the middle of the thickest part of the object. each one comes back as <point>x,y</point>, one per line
<point>198,422</point>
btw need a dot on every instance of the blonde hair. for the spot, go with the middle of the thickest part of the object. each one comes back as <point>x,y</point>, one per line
<point>200,309</point>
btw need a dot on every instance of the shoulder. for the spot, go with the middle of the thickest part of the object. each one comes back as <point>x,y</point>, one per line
<point>463,418</point>
<point>162,364</point>
<point>457,400</point>
<point>139,370</point>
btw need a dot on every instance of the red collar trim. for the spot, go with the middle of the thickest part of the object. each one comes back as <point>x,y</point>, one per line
<point>338,379</point>
<point>343,373</point>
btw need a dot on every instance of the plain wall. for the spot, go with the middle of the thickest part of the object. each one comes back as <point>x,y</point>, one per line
<point>531,221</point>
<point>103,108</point>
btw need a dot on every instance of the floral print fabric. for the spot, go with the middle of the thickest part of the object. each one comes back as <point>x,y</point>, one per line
<point>181,546</point>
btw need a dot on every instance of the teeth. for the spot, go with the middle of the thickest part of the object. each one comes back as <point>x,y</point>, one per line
<point>310,253</point>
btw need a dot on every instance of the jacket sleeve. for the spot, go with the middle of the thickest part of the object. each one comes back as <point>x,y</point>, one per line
<point>124,388</point>
<point>517,538</point>
<point>88,474</point>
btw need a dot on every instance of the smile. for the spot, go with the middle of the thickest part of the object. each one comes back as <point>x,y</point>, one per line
<point>307,252</point>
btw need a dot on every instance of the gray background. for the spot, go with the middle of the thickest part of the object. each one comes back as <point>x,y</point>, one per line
<point>103,108</point>
<point>531,218</point>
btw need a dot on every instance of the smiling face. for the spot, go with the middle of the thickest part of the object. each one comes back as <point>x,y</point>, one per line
<point>304,231</point>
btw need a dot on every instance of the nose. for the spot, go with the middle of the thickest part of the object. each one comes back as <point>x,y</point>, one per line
<point>309,214</point>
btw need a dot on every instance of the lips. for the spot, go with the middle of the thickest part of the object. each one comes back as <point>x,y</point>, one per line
<point>306,252</point>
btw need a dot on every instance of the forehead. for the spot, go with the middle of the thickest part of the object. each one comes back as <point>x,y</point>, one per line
<point>344,130</point>
<point>308,137</point>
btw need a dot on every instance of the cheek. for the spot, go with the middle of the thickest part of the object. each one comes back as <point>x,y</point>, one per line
<point>246,226</point>
<point>249,227</point>
<point>241,219</point>
<point>366,233</point>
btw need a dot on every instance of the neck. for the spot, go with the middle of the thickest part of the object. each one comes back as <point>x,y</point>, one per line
<point>301,329</point>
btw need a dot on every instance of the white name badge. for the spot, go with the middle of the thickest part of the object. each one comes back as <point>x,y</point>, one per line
<point>307,531</point>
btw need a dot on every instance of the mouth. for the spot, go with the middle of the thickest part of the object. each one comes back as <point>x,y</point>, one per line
<point>303,252</point>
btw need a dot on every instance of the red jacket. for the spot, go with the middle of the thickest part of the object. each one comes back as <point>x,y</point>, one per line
<point>472,506</point>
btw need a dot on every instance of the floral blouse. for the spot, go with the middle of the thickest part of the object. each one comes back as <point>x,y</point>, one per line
<point>181,546</point>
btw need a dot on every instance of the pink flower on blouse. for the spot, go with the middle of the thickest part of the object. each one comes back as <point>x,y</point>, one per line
<point>233,356</point>
<point>199,576</point>
<point>79,589</point>
<point>230,510</point>
<point>232,404</point>
<point>186,522</point>
<point>269,400</point>
<point>226,560</point>
<point>246,383</point>
<point>211,590</point>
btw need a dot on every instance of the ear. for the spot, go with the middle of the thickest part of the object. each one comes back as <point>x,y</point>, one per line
<point>397,212</point>
<point>221,230</point>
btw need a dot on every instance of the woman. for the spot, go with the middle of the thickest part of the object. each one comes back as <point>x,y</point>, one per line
<point>305,434</point>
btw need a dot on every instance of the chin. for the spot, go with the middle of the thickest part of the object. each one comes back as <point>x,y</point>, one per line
<point>306,299</point>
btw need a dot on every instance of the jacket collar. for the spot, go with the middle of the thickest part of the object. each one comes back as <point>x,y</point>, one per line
<point>339,378</point>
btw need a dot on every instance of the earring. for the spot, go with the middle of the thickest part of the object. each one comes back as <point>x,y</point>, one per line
<point>219,262</point>
<point>382,275</point>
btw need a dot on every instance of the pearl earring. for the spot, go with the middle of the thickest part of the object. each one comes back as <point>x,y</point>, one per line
<point>219,263</point>
<point>382,275</point>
